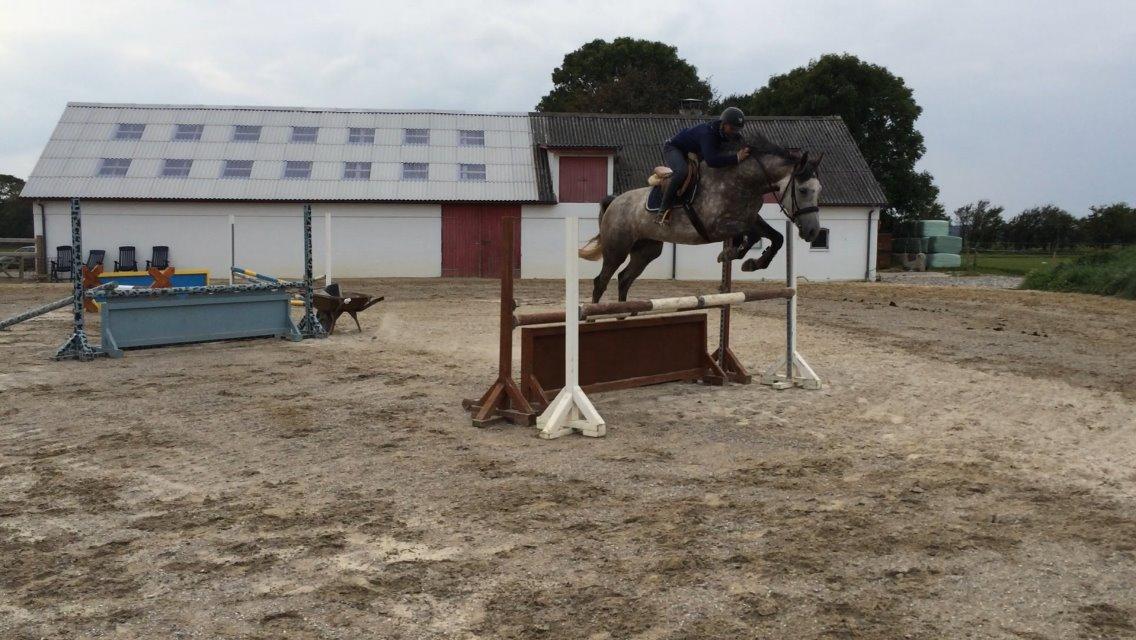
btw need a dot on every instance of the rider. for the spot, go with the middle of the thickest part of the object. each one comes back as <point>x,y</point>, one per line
<point>703,140</point>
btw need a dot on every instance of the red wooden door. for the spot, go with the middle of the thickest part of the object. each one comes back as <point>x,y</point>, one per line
<point>583,179</point>
<point>471,239</point>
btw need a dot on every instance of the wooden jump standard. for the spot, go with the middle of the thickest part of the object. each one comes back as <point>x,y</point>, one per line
<point>613,353</point>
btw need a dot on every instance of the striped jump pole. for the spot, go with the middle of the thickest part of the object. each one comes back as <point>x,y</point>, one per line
<point>77,347</point>
<point>310,326</point>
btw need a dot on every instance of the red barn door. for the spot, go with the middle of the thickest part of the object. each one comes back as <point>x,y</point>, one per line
<point>583,179</point>
<point>471,239</point>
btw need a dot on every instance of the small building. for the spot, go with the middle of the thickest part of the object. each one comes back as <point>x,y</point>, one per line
<point>407,193</point>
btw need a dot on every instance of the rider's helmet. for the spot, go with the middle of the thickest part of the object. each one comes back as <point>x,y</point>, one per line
<point>734,116</point>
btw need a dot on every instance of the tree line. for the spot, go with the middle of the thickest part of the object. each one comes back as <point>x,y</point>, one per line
<point>628,75</point>
<point>1049,227</point>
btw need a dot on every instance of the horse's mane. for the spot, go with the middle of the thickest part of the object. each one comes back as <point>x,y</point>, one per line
<point>760,145</point>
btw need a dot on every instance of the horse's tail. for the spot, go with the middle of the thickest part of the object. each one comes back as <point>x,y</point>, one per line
<point>594,249</point>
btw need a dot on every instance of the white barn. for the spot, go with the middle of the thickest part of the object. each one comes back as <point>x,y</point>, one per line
<point>408,193</point>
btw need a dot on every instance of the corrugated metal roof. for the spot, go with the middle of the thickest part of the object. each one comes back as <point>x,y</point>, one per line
<point>85,135</point>
<point>639,138</point>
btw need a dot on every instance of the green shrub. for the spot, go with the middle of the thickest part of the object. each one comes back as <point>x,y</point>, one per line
<point>1107,273</point>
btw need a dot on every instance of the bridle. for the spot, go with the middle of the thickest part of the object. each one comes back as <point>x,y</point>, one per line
<point>794,212</point>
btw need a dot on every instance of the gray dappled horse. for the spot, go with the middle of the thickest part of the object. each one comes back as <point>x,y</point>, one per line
<point>727,201</point>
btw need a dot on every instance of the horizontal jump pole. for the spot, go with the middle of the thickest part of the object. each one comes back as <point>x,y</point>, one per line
<point>657,305</point>
<point>178,291</point>
<point>51,306</point>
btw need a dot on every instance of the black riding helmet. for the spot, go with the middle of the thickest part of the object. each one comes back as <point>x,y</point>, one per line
<point>734,116</point>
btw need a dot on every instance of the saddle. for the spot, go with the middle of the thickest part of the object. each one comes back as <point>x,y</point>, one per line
<point>684,198</point>
<point>661,176</point>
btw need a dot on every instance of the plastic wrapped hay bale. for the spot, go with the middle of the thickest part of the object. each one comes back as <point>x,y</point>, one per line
<point>928,228</point>
<point>943,261</point>
<point>909,245</point>
<point>944,244</point>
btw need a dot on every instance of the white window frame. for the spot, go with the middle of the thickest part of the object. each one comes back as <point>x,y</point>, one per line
<point>192,131</point>
<point>297,166</point>
<point>227,166</point>
<point>466,171</point>
<point>361,135</point>
<point>167,167</point>
<point>113,167</point>
<point>134,132</point>
<point>827,235</point>
<point>356,170</point>
<point>414,168</point>
<point>471,137</point>
<point>241,132</point>
<point>305,135</point>
<point>416,137</point>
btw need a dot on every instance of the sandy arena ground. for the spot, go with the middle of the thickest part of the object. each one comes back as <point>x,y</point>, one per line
<point>969,471</point>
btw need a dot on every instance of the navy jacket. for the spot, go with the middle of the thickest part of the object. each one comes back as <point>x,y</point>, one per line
<point>704,140</point>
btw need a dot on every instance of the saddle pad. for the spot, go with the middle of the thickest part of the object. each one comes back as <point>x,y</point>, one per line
<point>655,198</point>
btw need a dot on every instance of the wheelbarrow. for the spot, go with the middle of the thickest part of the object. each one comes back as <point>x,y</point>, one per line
<point>330,303</point>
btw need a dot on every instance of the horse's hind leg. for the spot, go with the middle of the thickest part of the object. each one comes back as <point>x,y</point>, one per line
<point>613,256</point>
<point>642,253</point>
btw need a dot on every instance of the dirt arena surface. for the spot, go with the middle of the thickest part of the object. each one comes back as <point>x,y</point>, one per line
<point>968,471</point>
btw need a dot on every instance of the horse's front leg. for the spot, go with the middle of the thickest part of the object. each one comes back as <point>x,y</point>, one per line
<point>762,229</point>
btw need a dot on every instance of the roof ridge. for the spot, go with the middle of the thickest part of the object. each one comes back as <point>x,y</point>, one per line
<point>559,114</point>
<point>209,107</point>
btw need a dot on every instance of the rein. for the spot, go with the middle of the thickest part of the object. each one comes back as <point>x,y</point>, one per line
<point>796,212</point>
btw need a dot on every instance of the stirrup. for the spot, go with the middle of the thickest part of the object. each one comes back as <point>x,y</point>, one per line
<point>661,220</point>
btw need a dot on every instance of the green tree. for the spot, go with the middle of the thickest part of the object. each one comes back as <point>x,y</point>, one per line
<point>880,111</point>
<point>15,214</point>
<point>981,223</point>
<point>1110,224</point>
<point>1049,227</point>
<point>625,75</point>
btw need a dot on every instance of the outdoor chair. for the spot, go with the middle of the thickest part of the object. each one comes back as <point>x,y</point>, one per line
<point>95,257</point>
<point>62,263</point>
<point>126,260</point>
<point>159,258</point>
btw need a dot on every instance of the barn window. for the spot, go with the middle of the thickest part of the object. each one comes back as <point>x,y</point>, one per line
<point>416,136</point>
<point>472,172</point>
<point>360,135</point>
<point>114,166</point>
<point>471,138</point>
<point>821,241</point>
<point>298,169</point>
<point>188,131</point>
<point>237,169</point>
<point>356,170</point>
<point>176,168</point>
<point>246,133</point>
<point>305,134</point>
<point>129,131</point>
<point>415,171</point>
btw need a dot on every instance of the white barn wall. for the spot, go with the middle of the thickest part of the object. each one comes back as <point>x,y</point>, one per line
<point>542,241</point>
<point>368,240</point>
<point>845,258</point>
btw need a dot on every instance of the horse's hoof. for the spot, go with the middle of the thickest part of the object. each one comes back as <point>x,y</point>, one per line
<point>754,264</point>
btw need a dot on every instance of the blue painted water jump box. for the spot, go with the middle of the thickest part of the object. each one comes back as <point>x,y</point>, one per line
<point>193,316</point>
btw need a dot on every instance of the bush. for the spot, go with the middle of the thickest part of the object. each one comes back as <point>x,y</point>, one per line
<point>1106,273</point>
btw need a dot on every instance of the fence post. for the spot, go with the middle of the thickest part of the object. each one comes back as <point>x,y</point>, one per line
<point>77,347</point>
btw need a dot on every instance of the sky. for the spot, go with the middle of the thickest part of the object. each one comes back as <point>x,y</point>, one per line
<point>1024,102</point>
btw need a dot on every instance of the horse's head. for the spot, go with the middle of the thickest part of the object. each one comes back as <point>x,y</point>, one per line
<point>800,196</point>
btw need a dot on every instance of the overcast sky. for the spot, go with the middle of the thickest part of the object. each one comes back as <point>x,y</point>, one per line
<point>1024,103</point>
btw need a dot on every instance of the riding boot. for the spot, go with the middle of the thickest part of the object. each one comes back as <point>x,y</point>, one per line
<point>668,199</point>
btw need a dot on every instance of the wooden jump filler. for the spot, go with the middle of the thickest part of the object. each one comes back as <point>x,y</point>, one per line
<point>620,346</point>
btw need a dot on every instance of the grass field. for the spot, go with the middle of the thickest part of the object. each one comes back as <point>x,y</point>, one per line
<point>1012,263</point>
